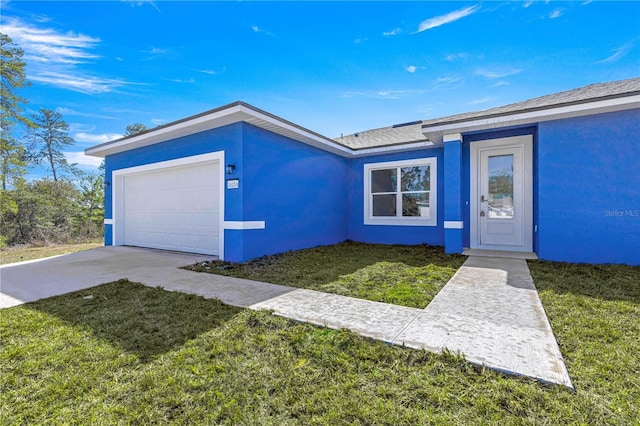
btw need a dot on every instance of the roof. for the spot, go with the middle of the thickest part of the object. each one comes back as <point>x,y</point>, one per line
<point>590,93</point>
<point>587,100</point>
<point>392,135</point>
<point>591,99</point>
<point>228,114</point>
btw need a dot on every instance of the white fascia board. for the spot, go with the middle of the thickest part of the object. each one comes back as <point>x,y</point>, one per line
<point>198,124</point>
<point>233,114</point>
<point>437,132</point>
<point>392,148</point>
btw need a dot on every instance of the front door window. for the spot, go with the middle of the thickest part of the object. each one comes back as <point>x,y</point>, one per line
<point>500,202</point>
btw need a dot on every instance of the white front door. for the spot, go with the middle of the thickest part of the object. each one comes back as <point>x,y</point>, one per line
<point>502,194</point>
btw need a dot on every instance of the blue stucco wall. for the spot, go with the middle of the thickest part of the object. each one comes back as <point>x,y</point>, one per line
<point>298,190</point>
<point>388,234</point>
<point>227,139</point>
<point>589,189</point>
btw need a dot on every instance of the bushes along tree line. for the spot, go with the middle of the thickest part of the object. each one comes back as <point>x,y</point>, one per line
<point>67,205</point>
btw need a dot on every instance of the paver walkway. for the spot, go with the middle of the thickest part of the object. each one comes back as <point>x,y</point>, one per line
<point>489,310</point>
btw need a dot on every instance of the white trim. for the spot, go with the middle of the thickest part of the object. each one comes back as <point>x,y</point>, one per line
<point>436,132</point>
<point>244,225</point>
<point>240,112</point>
<point>526,142</point>
<point>432,220</point>
<point>452,137</point>
<point>453,224</point>
<point>226,115</point>
<point>117,190</point>
<point>108,222</point>
<point>389,149</point>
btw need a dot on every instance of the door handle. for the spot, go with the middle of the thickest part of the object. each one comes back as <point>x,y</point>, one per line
<point>482,199</point>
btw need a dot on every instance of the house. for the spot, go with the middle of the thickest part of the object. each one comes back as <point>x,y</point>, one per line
<point>557,176</point>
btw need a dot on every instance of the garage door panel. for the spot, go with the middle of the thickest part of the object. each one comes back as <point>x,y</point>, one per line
<point>174,208</point>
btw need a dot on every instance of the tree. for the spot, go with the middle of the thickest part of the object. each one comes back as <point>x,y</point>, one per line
<point>134,129</point>
<point>12,77</point>
<point>91,200</point>
<point>48,139</point>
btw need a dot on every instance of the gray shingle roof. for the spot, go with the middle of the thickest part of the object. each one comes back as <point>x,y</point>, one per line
<point>385,136</point>
<point>413,131</point>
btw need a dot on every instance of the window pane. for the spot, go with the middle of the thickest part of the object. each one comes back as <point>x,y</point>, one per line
<point>415,204</point>
<point>501,187</point>
<point>383,180</point>
<point>384,205</point>
<point>415,178</point>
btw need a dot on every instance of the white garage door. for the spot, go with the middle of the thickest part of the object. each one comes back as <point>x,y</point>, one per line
<point>175,208</point>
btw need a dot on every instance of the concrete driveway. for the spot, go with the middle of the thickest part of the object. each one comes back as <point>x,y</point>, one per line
<point>72,272</point>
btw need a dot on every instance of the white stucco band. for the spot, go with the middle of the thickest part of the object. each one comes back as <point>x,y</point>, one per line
<point>452,137</point>
<point>453,224</point>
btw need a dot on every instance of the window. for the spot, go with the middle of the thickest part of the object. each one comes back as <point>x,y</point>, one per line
<point>401,193</point>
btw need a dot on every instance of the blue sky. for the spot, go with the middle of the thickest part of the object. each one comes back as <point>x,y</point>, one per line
<point>333,67</point>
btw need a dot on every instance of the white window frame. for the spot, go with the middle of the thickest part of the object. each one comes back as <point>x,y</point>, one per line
<point>432,220</point>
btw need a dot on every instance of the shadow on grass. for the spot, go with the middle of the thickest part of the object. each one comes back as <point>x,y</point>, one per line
<point>326,264</point>
<point>145,321</point>
<point>606,282</point>
<point>402,275</point>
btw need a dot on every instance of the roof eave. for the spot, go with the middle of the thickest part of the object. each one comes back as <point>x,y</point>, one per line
<point>219,117</point>
<point>435,132</point>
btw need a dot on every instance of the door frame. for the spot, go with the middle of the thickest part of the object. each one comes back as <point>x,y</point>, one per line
<point>526,142</point>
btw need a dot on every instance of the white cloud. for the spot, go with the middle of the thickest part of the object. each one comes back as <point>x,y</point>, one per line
<point>158,121</point>
<point>479,101</point>
<point>555,14</point>
<point>72,112</point>
<point>500,84</point>
<point>447,81</point>
<point>383,94</point>
<point>257,29</point>
<point>96,138</point>
<point>618,53</point>
<point>139,3</point>
<point>158,51</point>
<point>527,4</point>
<point>78,83</point>
<point>360,40</point>
<point>497,74</point>
<point>411,69</point>
<point>179,80</point>
<point>454,56</point>
<point>210,72</point>
<point>437,21</point>
<point>81,159</point>
<point>393,32</point>
<point>55,58</point>
<point>45,45</point>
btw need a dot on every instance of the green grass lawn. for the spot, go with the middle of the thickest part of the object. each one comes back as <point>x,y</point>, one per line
<point>402,275</point>
<point>123,353</point>
<point>19,254</point>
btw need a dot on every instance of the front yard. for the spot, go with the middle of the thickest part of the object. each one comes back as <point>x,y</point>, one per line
<point>22,253</point>
<point>401,275</point>
<point>126,353</point>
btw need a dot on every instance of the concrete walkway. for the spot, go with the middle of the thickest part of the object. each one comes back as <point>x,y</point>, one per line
<point>489,311</point>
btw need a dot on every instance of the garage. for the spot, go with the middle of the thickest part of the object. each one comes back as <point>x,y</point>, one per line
<point>170,206</point>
